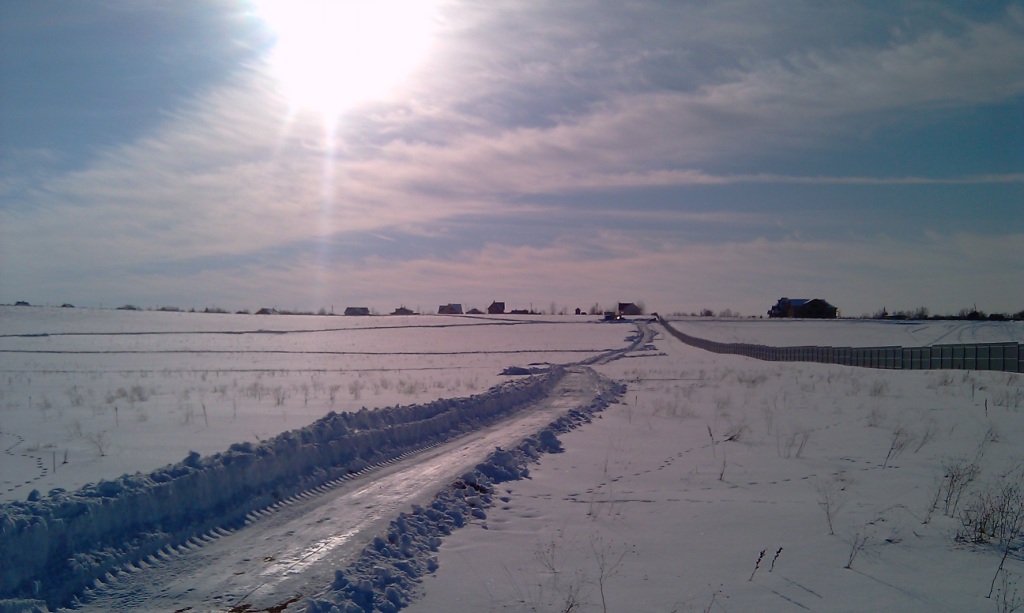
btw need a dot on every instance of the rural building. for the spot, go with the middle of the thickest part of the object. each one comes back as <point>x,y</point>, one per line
<point>450,309</point>
<point>474,311</point>
<point>402,311</point>
<point>629,308</point>
<point>813,308</point>
<point>357,311</point>
<point>496,308</point>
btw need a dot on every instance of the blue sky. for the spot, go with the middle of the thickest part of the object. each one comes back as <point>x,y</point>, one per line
<point>685,154</point>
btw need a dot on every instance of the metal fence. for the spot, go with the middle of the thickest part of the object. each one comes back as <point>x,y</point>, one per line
<point>1006,357</point>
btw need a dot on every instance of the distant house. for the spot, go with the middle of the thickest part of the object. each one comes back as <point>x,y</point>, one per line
<point>402,311</point>
<point>805,308</point>
<point>474,312</point>
<point>496,308</point>
<point>450,309</point>
<point>266,311</point>
<point>357,311</point>
<point>629,308</point>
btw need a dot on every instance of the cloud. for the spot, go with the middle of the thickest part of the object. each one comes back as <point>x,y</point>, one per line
<point>804,102</point>
<point>561,107</point>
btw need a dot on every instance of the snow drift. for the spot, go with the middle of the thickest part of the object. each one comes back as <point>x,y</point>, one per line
<point>56,545</point>
<point>385,576</point>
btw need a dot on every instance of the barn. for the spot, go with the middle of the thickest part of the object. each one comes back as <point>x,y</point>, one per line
<point>803,308</point>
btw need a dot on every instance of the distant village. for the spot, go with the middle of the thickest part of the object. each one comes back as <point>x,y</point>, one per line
<point>791,308</point>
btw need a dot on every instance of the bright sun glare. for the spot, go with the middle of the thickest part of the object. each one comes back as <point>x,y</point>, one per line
<point>332,54</point>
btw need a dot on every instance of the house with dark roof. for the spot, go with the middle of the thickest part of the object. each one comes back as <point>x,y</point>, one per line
<point>629,308</point>
<point>451,308</point>
<point>357,311</point>
<point>402,311</point>
<point>803,308</point>
<point>496,308</point>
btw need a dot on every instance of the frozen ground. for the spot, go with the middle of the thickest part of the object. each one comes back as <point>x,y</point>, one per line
<point>664,503</point>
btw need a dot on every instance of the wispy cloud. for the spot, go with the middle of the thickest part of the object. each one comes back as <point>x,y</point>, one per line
<point>523,113</point>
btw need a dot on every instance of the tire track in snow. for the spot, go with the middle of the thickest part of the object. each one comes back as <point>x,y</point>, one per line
<point>294,548</point>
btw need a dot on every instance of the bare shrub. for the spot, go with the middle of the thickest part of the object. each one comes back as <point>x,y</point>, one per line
<point>608,559</point>
<point>99,441</point>
<point>958,475</point>
<point>995,516</point>
<point>929,433</point>
<point>735,431</point>
<point>857,544</point>
<point>830,498</point>
<point>1008,596</point>
<point>792,445</point>
<point>901,438</point>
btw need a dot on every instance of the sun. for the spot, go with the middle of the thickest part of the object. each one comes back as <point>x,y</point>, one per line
<point>330,55</point>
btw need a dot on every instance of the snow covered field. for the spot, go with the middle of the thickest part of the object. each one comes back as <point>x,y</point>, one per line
<point>89,394</point>
<point>854,483</point>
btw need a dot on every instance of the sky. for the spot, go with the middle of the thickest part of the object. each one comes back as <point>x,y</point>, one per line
<point>683,154</point>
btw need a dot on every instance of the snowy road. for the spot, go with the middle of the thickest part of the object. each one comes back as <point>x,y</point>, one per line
<point>292,552</point>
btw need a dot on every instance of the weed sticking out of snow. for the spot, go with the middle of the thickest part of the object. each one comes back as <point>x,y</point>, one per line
<point>884,462</point>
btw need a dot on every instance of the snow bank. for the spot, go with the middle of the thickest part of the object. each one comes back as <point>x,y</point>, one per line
<point>385,576</point>
<point>54,546</point>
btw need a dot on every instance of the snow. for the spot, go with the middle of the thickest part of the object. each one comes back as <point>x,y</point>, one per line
<point>152,386</point>
<point>663,501</point>
<point>643,505</point>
